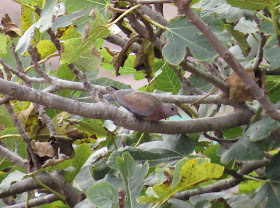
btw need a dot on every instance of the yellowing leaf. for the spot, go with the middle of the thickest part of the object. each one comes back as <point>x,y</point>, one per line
<point>45,48</point>
<point>191,174</point>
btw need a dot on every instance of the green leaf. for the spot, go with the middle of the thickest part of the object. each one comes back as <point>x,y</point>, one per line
<point>240,201</point>
<point>267,27</point>
<point>240,39</point>
<point>223,11</point>
<point>211,152</point>
<point>82,153</point>
<point>166,79</point>
<point>250,4</point>
<point>177,203</point>
<point>172,145</point>
<point>209,197</point>
<point>66,20</point>
<point>247,186</point>
<point>95,126</point>
<point>245,150</point>
<point>11,178</point>
<point>140,156</point>
<point>133,176</point>
<point>268,194</point>
<point>5,117</point>
<point>172,148</point>
<point>74,48</point>
<point>88,61</point>
<point>103,194</point>
<point>73,5</point>
<point>261,129</point>
<point>201,83</point>
<point>272,53</point>
<point>104,81</point>
<point>177,172</point>
<point>44,23</point>
<point>246,26</point>
<point>84,204</point>
<point>60,166</point>
<point>84,178</point>
<point>14,143</point>
<point>180,33</point>
<point>64,72</point>
<point>3,43</point>
<point>232,132</point>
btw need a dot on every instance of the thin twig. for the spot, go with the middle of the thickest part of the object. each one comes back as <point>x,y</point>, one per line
<point>90,87</point>
<point>186,84</point>
<point>206,76</point>
<point>34,54</point>
<point>13,157</point>
<point>220,140</point>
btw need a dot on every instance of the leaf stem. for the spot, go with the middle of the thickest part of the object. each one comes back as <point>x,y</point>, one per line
<point>62,198</point>
<point>123,15</point>
<point>139,140</point>
<point>264,17</point>
<point>274,20</point>
<point>41,61</point>
<point>27,199</point>
<point>154,22</point>
<point>26,5</point>
<point>10,136</point>
<point>254,179</point>
<point>197,101</point>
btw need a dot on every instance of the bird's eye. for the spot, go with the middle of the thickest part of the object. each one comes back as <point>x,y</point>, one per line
<point>172,109</point>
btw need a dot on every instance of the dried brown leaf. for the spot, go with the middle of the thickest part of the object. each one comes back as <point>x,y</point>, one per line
<point>238,91</point>
<point>42,149</point>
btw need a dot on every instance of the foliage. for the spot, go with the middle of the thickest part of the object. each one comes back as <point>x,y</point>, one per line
<point>87,152</point>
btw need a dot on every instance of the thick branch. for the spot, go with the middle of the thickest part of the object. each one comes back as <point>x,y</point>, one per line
<point>105,111</point>
<point>36,202</point>
<point>73,195</point>
<point>258,93</point>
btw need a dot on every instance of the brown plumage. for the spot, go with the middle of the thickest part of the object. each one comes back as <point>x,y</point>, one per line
<point>143,105</point>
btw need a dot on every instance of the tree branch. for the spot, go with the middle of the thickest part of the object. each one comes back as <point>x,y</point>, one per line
<point>258,93</point>
<point>54,181</point>
<point>125,119</point>
<point>117,40</point>
<point>90,87</point>
<point>36,202</point>
<point>205,75</point>
<point>13,157</point>
<point>186,84</point>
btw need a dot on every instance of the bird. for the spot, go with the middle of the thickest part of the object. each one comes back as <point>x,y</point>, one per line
<point>143,105</point>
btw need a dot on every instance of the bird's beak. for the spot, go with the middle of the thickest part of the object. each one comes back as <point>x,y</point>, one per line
<point>178,114</point>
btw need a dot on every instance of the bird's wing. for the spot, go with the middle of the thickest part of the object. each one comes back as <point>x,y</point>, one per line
<point>140,104</point>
